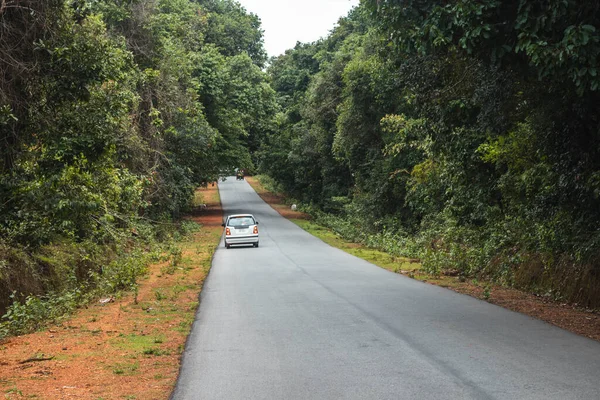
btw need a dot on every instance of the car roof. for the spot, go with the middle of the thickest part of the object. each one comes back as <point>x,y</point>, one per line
<point>240,215</point>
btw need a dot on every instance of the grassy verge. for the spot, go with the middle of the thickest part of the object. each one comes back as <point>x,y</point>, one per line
<point>121,348</point>
<point>402,265</point>
<point>569,317</point>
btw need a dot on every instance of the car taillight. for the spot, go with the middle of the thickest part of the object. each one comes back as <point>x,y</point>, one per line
<point>255,230</point>
<point>227,231</point>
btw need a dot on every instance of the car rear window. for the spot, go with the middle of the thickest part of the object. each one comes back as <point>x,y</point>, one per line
<point>241,221</point>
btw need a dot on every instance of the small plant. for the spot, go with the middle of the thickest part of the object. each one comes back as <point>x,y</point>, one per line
<point>487,292</point>
<point>136,292</point>
<point>125,369</point>
<point>159,295</point>
<point>176,255</point>
<point>154,351</point>
<point>13,390</point>
<point>177,289</point>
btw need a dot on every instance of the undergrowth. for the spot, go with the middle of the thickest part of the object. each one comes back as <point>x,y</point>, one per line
<point>510,252</point>
<point>53,281</point>
<point>449,248</point>
<point>270,185</point>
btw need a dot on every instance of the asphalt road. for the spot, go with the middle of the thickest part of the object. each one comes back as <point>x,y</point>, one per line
<point>298,319</point>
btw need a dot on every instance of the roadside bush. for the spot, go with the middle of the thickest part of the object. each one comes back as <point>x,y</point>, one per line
<point>57,279</point>
<point>511,252</point>
<point>270,184</point>
<point>354,229</point>
<point>35,311</point>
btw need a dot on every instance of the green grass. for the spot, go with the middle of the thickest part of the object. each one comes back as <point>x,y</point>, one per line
<point>377,257</point>
<point>127,369</point>
<point>155,351</point>
<point>185,326</point>
<point>137,343</point>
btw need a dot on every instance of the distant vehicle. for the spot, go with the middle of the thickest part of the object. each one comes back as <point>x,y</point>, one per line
<point>239,175</point>
<point>241,229</point>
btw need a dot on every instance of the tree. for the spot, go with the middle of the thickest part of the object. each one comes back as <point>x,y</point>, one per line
<point>233,30</point>
<point>468,128</point>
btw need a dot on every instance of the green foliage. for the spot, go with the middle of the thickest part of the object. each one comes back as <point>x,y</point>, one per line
<point>23,317</point>
<point>233,30</point>
<point>117,111</point>
<point>75,274</point>
<point>556,39</point>
<point>270,184</point>
<point>464,133</point>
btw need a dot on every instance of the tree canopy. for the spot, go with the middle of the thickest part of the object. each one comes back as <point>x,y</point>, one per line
<point>113,112</point>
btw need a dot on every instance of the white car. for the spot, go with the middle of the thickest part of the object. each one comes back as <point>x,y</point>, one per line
<point>241,229</point>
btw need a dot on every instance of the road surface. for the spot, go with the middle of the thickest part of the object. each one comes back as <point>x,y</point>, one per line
<point>298,319</point>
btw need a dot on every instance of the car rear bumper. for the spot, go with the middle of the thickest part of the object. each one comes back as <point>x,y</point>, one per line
<point>241,239</point>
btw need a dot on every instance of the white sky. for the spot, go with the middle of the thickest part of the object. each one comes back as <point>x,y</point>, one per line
<point>286,22</point>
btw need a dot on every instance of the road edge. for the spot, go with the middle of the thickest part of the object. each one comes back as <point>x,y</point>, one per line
<point>565,316</point>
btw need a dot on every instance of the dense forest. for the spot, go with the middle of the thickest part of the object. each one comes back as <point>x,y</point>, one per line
<point>465,133</point>
<point>112,112</point>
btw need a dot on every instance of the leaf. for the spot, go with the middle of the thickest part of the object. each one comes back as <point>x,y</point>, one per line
<point>589,28</point>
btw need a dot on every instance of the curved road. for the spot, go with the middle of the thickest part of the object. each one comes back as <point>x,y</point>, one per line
<point>298,319</point>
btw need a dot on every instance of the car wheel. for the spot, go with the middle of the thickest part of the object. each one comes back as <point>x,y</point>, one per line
<point>256,244</point>
<point>227,246</point>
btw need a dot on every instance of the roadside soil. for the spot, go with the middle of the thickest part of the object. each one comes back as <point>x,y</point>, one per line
<point>127,348</point>
<point>566,316</point>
